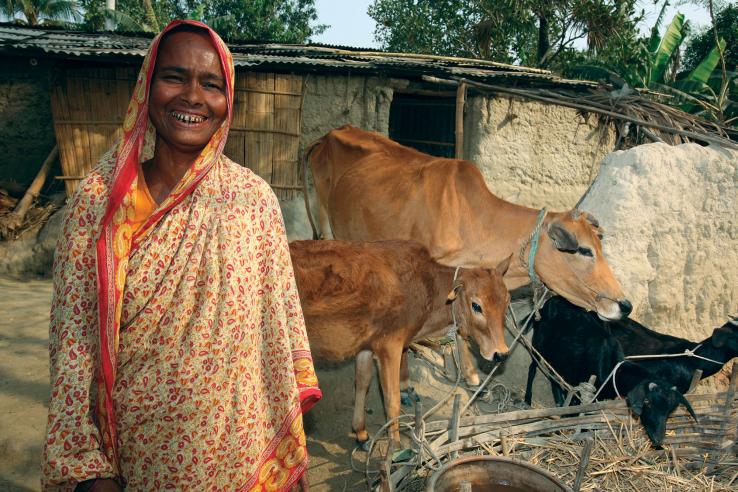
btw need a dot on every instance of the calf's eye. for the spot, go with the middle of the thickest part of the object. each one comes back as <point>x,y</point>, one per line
<point>585,252</point>
<point>476,308</point>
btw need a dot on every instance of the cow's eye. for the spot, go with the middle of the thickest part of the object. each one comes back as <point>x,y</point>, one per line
<point>476,308</point>
<point>585,252</point>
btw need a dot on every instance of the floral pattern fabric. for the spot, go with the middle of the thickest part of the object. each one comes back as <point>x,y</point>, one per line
<point>179,358</point>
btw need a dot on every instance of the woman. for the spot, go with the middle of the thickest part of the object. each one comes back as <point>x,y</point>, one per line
<point>178,350</point>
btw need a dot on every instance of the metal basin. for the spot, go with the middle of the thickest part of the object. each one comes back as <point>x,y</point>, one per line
<point>493,474</point>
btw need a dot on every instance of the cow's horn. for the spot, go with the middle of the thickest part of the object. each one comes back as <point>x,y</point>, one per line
<point>652,386</point>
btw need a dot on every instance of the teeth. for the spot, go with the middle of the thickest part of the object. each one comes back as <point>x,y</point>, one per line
<point>187,118</point>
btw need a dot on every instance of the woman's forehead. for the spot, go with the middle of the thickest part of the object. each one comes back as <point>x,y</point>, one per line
<point>184,46</point>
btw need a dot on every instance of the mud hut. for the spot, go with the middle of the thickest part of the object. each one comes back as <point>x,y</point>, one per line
<point>74,87</point>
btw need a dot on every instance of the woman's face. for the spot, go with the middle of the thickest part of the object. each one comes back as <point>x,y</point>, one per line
<point>187,102</point>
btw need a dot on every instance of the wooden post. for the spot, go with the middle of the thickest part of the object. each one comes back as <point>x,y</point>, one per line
<point>583,462</point>
<point>460,103</point>
<point>15,218</point>
<point>453,429</point>
<point>418,446</point>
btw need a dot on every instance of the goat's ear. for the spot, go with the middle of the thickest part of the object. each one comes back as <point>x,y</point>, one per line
<point>453,294</point>
<point>636,398</point>
<point>563,240</point>
<point>503,266</point>
<point>720,337</point>
<point>686,404</point>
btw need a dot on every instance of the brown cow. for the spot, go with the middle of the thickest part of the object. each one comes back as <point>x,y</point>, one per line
<point>364,298</point>
<point>371,188</point>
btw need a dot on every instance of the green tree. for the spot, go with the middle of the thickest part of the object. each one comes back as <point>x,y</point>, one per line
<point>287,21</point>
<point>531,32</point>
<point>699,45</point>
<point>41,12</point>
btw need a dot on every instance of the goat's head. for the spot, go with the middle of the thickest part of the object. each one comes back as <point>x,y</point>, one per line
<point>653,400</point>
<point>726,338</point>
<point>480,300</point>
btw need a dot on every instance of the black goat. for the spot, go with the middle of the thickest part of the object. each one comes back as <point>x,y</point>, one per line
<point>577,346</point>
<point>636,339</point>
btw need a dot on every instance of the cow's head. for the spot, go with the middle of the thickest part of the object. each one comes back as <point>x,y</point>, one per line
<point>653,401</point>
<point>570,262</point>
<point>480,301</point>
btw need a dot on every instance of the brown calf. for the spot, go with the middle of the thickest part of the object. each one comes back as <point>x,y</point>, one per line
<point>364,298</point>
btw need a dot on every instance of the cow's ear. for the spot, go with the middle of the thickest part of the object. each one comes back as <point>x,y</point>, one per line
<point>452,295</point>
<point>504,265</point>
<point>562,239</point>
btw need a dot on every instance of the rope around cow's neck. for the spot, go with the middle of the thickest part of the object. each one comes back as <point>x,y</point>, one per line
<point>533,240</point>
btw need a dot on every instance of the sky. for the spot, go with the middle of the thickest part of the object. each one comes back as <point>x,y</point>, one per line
<point>351,26</point>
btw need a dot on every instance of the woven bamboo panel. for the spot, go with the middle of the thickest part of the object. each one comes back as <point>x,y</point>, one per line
<point>265,132</point>
<point>88,106</point>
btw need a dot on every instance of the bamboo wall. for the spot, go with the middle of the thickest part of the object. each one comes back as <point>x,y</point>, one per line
<point>89,105</point>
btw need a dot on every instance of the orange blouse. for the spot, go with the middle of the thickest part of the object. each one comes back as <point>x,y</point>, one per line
<point>145,205</point>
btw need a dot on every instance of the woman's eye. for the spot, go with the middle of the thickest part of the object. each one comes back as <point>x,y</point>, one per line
<point>476,308</point>
<point>585,252</point>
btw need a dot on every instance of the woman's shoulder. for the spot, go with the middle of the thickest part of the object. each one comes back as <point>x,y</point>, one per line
<point>94,188</point>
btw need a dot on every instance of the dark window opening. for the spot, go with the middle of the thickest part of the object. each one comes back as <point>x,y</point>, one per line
<point>425,123</point>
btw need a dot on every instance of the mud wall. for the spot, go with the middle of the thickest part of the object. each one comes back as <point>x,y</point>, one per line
<point>532,153</point>
<point>671,233</point>
<point>26,126</point>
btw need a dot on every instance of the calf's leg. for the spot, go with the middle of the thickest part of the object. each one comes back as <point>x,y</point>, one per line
<point>362,380</point>
<point>389,376</point>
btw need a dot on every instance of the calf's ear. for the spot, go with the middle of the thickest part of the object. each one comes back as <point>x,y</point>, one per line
<point>453,294</point>
<point>562,239</point>
<point>504,265</point>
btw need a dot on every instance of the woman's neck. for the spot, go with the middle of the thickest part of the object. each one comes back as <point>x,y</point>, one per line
<point>165,170</point>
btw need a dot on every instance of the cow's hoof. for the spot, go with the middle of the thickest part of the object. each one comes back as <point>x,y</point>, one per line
<point>362,439</point>
<point>409,397</point>
<point>363,445</point>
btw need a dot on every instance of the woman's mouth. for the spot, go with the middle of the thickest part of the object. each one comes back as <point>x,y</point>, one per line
<point>187,118</point>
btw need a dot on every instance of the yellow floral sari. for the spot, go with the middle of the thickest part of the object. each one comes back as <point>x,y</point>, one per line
<point>179,358</point>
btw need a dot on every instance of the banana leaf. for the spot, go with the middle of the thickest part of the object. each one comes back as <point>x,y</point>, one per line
<point>670,42</point>
<point>655,40</point>
<point>708,64</point>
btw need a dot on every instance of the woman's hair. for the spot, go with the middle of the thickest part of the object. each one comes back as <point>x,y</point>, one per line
<point>183,28</point>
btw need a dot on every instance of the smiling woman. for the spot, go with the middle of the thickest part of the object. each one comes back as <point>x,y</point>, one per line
<point>179,358</point>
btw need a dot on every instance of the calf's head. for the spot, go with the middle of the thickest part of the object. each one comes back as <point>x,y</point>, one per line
<point>570,262</point>
<point>653,401</point>
<point>480,301</point>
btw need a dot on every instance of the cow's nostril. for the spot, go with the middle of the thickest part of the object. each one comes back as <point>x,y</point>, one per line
<point>625,307</point>
<point>500,356</point>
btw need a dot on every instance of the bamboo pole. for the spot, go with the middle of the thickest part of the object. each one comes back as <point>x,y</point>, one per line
<point>15,219</point>
<point>460,103</point>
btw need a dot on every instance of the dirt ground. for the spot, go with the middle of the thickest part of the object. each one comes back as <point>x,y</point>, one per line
<point>24,392</point>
